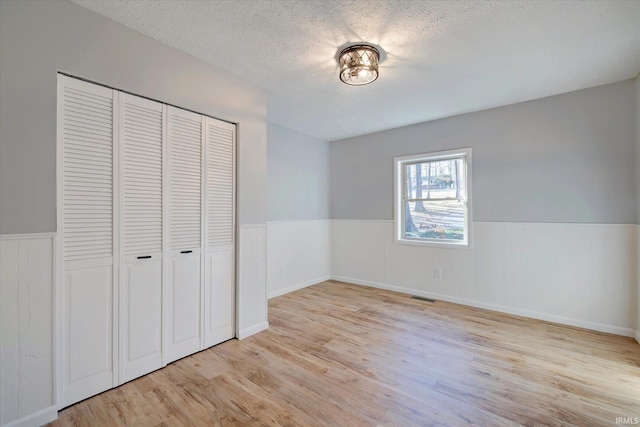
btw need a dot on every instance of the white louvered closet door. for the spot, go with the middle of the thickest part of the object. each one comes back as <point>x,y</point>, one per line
<point>219,304</point>
<point>141,169</point>
<point>89,248</point>
<point>184,219</point>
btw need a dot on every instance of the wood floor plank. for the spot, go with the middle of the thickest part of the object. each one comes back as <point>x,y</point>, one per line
<point>344,355</point>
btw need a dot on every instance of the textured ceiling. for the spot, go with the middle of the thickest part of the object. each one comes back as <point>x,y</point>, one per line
<point>440,58</point>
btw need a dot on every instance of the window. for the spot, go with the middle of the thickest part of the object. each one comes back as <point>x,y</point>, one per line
<point>433,198</point>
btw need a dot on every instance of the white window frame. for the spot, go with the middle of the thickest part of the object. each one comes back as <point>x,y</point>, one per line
<point>399,206</point>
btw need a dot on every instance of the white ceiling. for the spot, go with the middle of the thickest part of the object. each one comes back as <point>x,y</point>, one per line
<point>442,57</point>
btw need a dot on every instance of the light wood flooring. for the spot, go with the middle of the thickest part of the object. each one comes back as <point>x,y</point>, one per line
<point>345,355</point>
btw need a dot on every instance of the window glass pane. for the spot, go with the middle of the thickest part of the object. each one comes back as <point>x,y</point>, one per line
<point>435,220</point>
<point>435,180</point>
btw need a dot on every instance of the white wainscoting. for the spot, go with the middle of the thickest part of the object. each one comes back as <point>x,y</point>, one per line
<point>576,274</point>
<point>298,255</point>
<point>252,284</point>
<point>27,331</point>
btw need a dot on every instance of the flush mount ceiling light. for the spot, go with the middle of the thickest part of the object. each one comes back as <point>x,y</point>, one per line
<point>359,64</point>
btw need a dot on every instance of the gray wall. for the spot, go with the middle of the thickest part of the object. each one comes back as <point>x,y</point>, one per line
<point>565,158</point>
<point>297,175</point>
<point>39,38</point>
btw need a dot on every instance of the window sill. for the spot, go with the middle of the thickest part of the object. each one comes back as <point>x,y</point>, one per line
<point>435,244</point>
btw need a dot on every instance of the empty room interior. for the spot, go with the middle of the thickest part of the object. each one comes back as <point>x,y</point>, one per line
<point>319,213</point>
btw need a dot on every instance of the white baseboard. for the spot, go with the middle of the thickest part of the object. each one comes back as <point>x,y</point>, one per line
<point>611,329</point>
<point>297,287</point>
<point>39,418</point>
<point>637,336</point>
<point>247,332</point>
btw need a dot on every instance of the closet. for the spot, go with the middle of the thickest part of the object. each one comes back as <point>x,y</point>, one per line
<point>146,235</point>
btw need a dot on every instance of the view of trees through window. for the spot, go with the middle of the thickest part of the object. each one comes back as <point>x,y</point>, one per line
<point>435,199</point>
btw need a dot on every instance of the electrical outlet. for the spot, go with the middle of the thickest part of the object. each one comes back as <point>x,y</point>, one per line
<point>437,273</point>
<point>281,270</point>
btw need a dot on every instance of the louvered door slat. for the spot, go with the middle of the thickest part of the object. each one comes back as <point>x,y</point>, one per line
<point>185,156</point>
<point>220,182</point>
<point>141,144</point>
<point>87,189</point>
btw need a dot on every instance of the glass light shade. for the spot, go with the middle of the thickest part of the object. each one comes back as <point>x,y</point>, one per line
<point>359,65</point>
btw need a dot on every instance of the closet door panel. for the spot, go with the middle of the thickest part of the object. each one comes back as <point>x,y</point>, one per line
<point>141,141</point>
<point>185,314</point>
<point>141,127</point>
<point>185,179</point>
<point>184,219</point>
<point>142,322</point>
<point>88,244</point>
<point>220,175</point>
<point>88,328</point>
<point>220,298</point>
<point>87,197</point>
<point>144,298</point>
<point>220,232</point>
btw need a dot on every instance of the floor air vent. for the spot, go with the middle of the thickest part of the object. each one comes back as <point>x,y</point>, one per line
<point>422,298</point>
